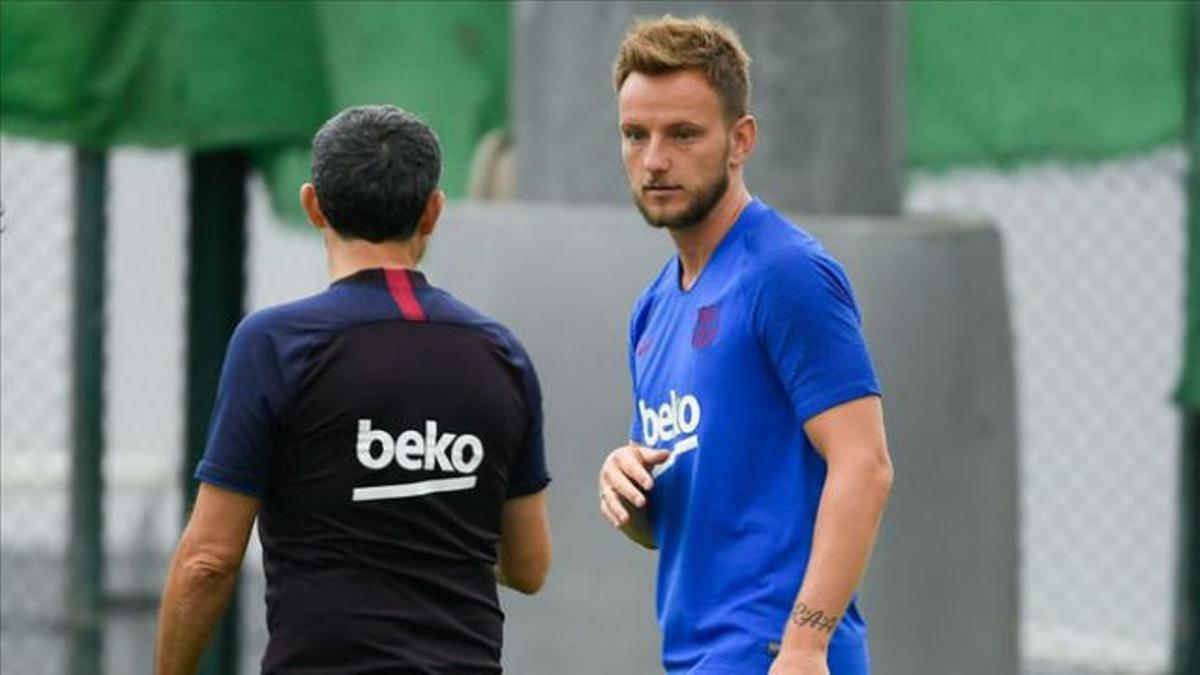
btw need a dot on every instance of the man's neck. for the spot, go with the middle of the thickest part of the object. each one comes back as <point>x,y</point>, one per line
<point>697,243</point>
<point>346,257</point>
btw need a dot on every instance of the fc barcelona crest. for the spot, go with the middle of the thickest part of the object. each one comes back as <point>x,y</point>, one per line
<point>706,326</point>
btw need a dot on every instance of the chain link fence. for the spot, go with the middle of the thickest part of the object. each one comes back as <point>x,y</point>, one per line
<point>1095,264</point>
<point>35,321</point>
<point>143,407</point>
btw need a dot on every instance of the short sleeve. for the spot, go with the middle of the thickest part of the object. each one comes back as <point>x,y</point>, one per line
<point>529,474</point>
<point>242,431</point>
<point>806,319</point>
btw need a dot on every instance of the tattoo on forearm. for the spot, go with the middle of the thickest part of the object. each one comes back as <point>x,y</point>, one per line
<point>805,616</point>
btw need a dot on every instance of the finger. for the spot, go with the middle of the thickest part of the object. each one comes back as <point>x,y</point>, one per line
<point>619,483</point>
<point>604,510</point>
<point>615,508</point>
<point>608,514</point>
<point>652,456</point>
<point>621,486</point>
<point>609,462</point>
<point>631,465</point>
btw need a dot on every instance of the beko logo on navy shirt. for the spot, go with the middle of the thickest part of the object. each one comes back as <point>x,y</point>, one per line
<point>414,450</point>
<point>675,417</point>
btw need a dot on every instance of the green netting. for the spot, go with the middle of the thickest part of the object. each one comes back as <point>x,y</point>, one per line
<point>995,83</point>
<point>198,74</point>
<point>253,73</point>
<point>446,61</point>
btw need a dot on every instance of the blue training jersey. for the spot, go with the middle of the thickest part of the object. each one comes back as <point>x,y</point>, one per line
<point>724,376</point>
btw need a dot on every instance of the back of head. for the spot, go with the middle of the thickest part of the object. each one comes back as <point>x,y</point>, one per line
<point>374,168</point>
<point>666,45</point>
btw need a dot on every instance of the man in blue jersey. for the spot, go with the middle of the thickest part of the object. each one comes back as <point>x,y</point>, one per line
<point>757,463</point>
<point>387,437</point>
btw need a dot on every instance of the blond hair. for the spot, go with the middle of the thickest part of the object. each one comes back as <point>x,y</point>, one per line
<point>666,45</point>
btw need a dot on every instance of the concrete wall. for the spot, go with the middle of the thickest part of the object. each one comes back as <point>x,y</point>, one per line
<point>827,90</point>
<point>941,597</point>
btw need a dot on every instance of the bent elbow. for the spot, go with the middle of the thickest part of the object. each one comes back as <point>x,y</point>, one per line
<point>884,477</point>
<point>527,586</point>
<point>868,475</point>
<point>205,569</point>
<point>528,576</point>
<point>887,474</point>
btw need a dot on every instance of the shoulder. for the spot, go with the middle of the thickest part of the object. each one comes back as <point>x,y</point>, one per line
<point>783,253</point>
<point>280,320</point>
<point>261,327</point>
<point>288,331</point>
<point>444,307</point>
<point>787,262</point>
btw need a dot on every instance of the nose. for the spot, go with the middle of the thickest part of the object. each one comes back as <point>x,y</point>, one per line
<point>656,159</point>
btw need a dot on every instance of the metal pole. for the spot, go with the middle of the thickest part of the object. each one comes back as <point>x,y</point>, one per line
<point>1187,620</point>
<point>216,286</point>
<point>85,545</point>
<point>1187,632</point>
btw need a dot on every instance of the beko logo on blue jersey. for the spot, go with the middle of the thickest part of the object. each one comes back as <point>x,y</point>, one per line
<point>413,450</point>
<point>677,416</point>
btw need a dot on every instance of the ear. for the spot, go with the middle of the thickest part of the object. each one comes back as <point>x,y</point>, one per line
<point>433,211</point>
<point>308,200</point>
<point>743,135</point>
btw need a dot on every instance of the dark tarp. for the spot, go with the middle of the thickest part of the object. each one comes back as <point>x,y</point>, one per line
<point>256,74</point>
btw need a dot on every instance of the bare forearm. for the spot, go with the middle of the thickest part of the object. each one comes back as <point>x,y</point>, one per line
<point>851,507</point>
<point>202,576</point>
<point>195,597</point>
<point>524,552</point>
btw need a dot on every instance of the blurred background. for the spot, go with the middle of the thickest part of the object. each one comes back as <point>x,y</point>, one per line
<point>1009,183</point>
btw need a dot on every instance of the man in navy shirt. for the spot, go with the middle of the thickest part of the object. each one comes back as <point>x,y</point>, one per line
<point>387,437</point>
<point>757,463</point>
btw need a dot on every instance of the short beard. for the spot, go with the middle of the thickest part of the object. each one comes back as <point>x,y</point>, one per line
<point>695,213</point>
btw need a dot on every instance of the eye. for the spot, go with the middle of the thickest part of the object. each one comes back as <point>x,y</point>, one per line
<point>633,134</point>
<point>685,134</point>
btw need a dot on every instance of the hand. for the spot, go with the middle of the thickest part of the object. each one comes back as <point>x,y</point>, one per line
<point>624,480</point>
<point>800,663</point>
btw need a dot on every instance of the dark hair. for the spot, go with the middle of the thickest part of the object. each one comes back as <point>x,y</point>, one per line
<point>374,168</point>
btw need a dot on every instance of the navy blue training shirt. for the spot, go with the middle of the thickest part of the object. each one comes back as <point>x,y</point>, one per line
<point>383,423</point>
